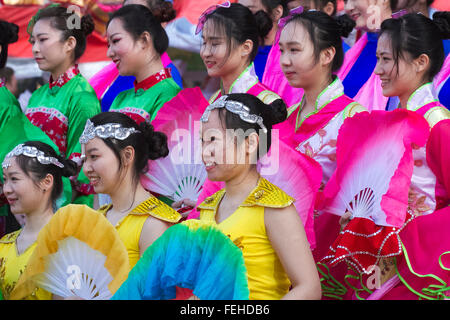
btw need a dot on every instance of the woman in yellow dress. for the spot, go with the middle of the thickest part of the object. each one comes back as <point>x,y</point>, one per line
<point>32,175</point>
<point>115,152</point>
<point>258,216</point>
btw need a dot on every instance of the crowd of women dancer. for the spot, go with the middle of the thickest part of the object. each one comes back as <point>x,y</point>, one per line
<point>322,167</point>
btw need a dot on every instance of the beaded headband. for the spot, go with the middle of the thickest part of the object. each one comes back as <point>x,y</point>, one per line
<point>236,108</point>
<point>104,131</point>
<point>31,152</point>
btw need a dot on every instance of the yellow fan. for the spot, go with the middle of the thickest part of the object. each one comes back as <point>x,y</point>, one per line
<point>78,253</point>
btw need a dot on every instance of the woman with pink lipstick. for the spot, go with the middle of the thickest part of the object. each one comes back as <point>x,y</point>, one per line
<point>409,54</point>
<point>311,50</point>
<point>61,107</point>
<point>231,37</point>
<point>108,83</point>
<point>32,174</point>
<point>9,106</point>
<point>257,215</point>
<point>356,73</point>
<point>116,151</point>
<point>136,41</point>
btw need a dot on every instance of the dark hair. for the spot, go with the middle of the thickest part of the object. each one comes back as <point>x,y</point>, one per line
<point>161,9</point>
<point>6,73</point>
<point>269,5</point>
<point>147,143</point>
<point>239,24</point>
<point>38,171</point>
<point>138,19</point>
<point>325,32</point>
<point>8,34</point>
<point>416,34</point>
<point>320,5</point>
<point>271,114</point>
<point>62,19</point>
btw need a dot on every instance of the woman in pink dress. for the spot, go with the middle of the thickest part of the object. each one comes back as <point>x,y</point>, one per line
<point>311,50</point>
<point>406,66</point>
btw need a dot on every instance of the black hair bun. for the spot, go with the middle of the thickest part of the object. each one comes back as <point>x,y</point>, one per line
<point>70,167</point>
<point>87,24</point>
<point>164,12</point>
<point>156,141</point>
<point>442,21</point>
<point>264,23</point>
<point>9,32</point>
<point>277,112</point>
<point>346,25</point>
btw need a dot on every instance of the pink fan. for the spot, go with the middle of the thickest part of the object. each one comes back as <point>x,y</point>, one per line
<point>375,165</point>
<point>181,174</point>
<point>296,174</point>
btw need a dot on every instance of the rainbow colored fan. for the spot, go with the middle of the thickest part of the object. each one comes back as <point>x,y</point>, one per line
<point>78,254</point>
<point>194,255</point>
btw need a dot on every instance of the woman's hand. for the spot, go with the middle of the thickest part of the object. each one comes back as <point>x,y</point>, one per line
<point>184,206</point>
<point>345,219</point>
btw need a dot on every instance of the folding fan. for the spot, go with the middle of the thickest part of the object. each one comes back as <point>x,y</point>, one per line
<point>181,174</point>
<point>371,182</point>
<point>295,173</point>
<point>194,255</point>
<point>78,253</point>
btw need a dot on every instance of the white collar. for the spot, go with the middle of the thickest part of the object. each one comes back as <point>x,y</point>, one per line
<point>245,81</point>
<point>421,97</point>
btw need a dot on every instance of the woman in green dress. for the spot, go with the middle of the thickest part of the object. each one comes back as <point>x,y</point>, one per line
<point>62,107</point>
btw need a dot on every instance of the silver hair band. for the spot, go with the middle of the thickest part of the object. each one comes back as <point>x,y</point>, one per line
<point>104,131</point>
<point>236,108</point>
<point>31,152</point>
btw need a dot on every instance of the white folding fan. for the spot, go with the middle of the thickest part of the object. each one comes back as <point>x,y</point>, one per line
<point>182,173</point>
<point>78,253</point>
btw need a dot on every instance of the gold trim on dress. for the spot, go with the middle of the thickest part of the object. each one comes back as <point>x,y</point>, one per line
<point>265,194</point>
<point>435,115</point>
<point>153,207</point>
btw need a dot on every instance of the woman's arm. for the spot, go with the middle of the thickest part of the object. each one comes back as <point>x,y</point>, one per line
<point>153,228</point>
<point>288,238</point>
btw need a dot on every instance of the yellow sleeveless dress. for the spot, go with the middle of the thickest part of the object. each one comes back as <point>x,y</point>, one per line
<point>130,226</point>
<point>267,279</point>
<point>12,266</point>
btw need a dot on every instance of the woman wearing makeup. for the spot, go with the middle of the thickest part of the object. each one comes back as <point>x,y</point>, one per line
<point>9,106</point>
<point>136,41</point>
<point>257,216</point>
<point>32,175</point>
<point>406,67</point>
<point>108,83</point>
<point>231,37</point>
<point>61,107</point>
<point>116,151</point>
<point>357,71</point>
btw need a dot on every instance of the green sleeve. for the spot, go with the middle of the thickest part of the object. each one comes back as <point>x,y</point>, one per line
<point>84,105</point>
<point>165,95</point>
